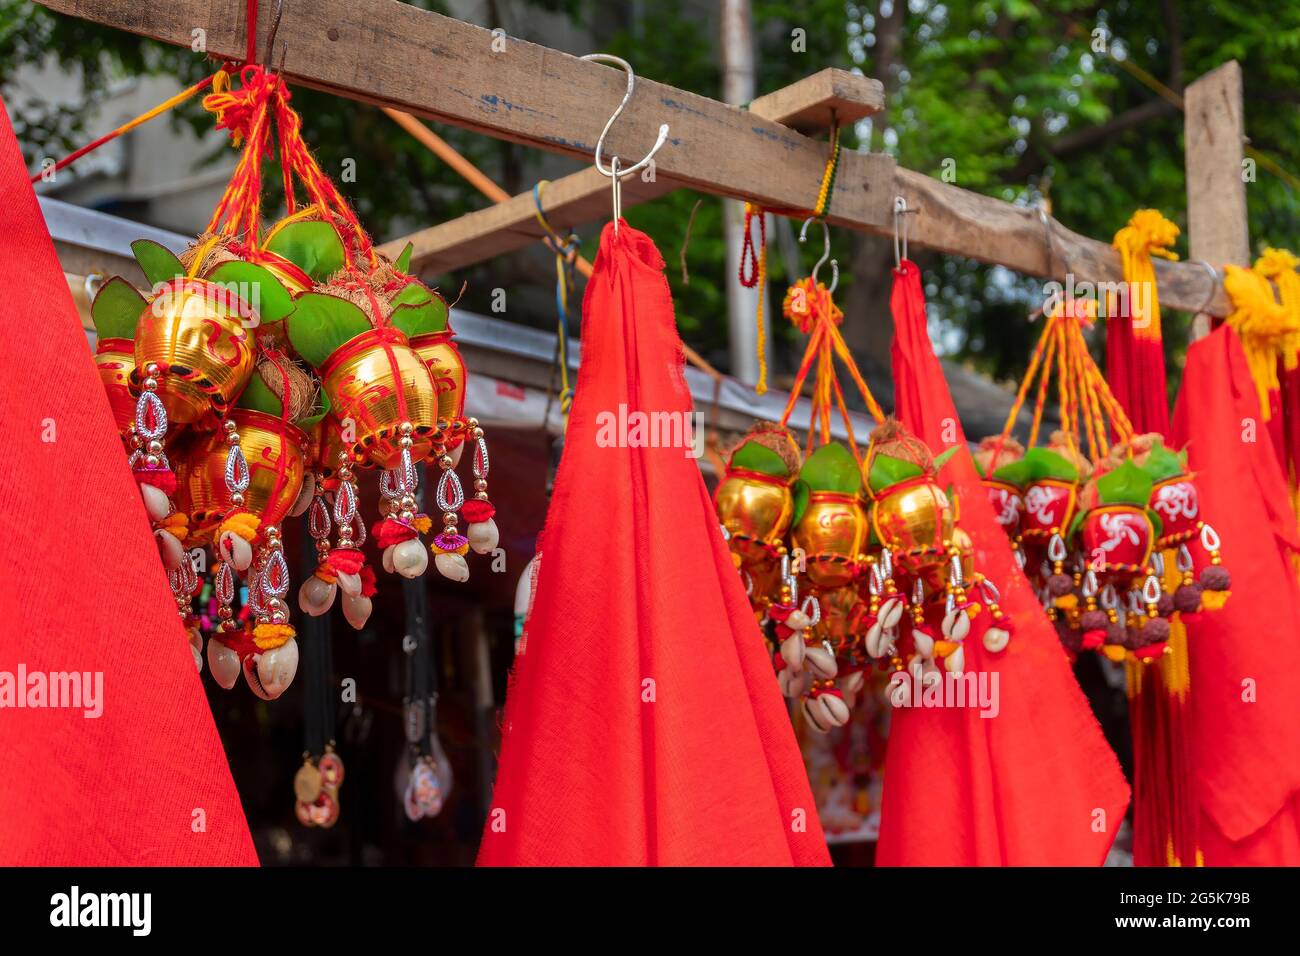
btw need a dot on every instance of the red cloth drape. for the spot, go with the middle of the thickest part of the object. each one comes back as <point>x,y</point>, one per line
<point>1135,372</point>
<point>1037,784</point>
<point>1247,751</point>
<point>644,725</point>
<point>82,589</point>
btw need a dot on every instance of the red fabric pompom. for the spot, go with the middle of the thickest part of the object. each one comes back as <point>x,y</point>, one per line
<point>161,478</point>
<point>477,509</point>
<point>388,532</point>
<point>1093,639</point>
<point>368,587</point>
<point>347,560</point>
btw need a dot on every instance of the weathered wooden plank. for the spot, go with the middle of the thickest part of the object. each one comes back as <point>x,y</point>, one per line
<point>959,222</point>
<point>396,55</point>
<point>1218,231</point>
<point>571,201</point>
<point>828,98</point>
<point>584,196</point>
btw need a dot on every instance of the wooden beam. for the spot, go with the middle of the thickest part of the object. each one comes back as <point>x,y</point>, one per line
<point>1218,231</point>
<point>393,54</point>
<point>828,98</point>
<point>959,222</point>
<point>584,196</point>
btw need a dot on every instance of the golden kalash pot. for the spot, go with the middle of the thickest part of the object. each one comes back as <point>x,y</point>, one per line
<point>914,519</point>
<point>832,533</point>
<point>447,369</point>
<point>276,452</point>
<point>193,330</point>
<point>756,510</point>
<point>115,361</point>
<point>377,382</point>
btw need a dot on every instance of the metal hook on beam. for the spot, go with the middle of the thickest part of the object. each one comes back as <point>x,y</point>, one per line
<point>826,252</point>
<point>615,171</point>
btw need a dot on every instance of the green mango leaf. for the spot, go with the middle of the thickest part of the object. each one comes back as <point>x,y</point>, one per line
<point>320,323</point>
<point>1162,464</point>
<point>887,471</point>
<point>1157,523</point>
<point>116,309</point>
<point>979,469</point>
<point>157,262</point>
<point>403,262</point>
<point>315,247</point>
<point>257,286</point>
<point>799,493</point>
<point>756,456</point>
<point>420,319</point>
<point>1075,524</point>
<point>1017,473</point>
<point>945,456</point>
<point>413,293</point>
<point>1043,463</point>
<point>832,468</point>
<point>258,396</point>
<point>1126,485</point>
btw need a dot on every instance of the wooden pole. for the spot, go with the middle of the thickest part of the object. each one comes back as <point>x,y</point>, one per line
<point>1218,231</point>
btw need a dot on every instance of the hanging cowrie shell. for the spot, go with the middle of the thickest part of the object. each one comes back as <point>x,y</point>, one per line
<point>793,684</point>
<point>452,566</point>
<point>798,621</point>
<point>223,661</point>
<point>156,502</point>
<point>956,661</point>
<point>792,650</point>
<point>483,536</point>
<point>315,597</point>
<point>387,559</point>
<point>236,550</point>
<point>853,683</point>
<point>410,559</point>
<point>956,624</point>
<point>455,455</point>
<point>821,662</point>
<point>836,710</point>
<point>877,640</point>
<point>924,644</point>
<point>996,639</point>
<point>891,611</point>
<point>198,658</point>
<point>816,715</point>
<point>274,670</point>
<point>357,608</point>
<point>170,549</point>
<point>305,496</point>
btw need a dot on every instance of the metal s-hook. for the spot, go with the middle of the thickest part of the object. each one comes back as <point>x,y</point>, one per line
<point>615,171</point>
<point>900,209</point>
<point>826,252</point>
